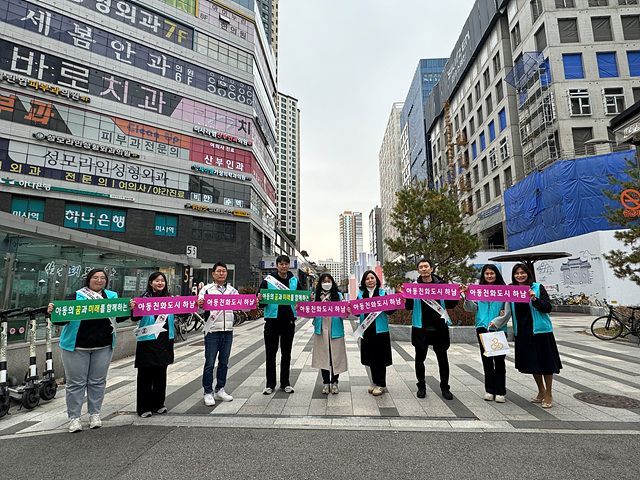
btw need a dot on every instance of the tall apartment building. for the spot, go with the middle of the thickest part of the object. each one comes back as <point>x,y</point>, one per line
<point>288,166</point>
<point>417,163</point>
<point>135,135</point>
<point>529,82</point>
<point>351,240</point>
<point>334,267</point>
<point>375,233</point>
<point>391,175</point>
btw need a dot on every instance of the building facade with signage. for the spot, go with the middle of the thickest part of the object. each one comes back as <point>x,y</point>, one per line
<point>528,84</point>
<point>147,123</point>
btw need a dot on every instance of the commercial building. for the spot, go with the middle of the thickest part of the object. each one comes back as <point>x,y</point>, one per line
<point>375,233</point>
<point>331,266</point>
<point>135,135</point>
<point>351,241</point>
<point>288,167</point>
<point>530,83</point>
<point>416,162</point>
<point>391,174</point>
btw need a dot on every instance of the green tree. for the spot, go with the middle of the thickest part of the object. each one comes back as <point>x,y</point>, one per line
<point>429,224</point>
<point>626,264</point>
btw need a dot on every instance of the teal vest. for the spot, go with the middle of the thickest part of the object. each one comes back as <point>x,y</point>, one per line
<point>337,327</point>
<point>382,320</point>
<point>487,311</point>
<point>541,321</point>
<point>271,311</point>
<point>416,314</point>
<point>70,330</point>
<point>150,320</point>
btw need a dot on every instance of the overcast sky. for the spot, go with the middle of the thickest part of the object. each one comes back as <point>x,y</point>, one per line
<point>347,61</point>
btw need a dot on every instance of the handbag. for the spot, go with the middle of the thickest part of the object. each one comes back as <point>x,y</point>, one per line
<point>494,343</point>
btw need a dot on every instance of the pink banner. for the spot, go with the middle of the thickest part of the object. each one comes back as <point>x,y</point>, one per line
<point>499,293</point>
<point>323,309</point>
<point>230,302</point>
<point>162,305</point>
<point>431,291</point>
<point>377,304</point>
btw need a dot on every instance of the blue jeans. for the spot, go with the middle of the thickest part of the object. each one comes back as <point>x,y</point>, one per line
<point>216,344</point>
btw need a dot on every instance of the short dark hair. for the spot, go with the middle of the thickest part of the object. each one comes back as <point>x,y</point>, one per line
<point>219,264</point>
<point>423,260</point>
<point>92,272</point>
<point>283,259</point>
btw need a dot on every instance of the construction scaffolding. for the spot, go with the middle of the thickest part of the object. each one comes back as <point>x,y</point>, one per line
<point>531,77</point>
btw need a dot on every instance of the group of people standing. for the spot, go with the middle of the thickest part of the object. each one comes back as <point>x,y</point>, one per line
<point>87,347</point>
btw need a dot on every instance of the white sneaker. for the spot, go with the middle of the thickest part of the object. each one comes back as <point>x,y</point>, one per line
<point>75,425</point>
<point>209,401</point>
<point>488,397</point>
<point>222,395</point>
<point>500,399</point>
<point>288,389</point>
<point>326,389</point>
<point>95,421</point>
<point>267,391</point>
<point>334,388</point>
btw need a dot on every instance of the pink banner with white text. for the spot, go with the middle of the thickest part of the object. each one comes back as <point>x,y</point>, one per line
<point>431,291</point>
<point>230,302</point>
<point>377,304</point>
<point>323,309</point>
<point>499,293</point>
<point>164,305</point>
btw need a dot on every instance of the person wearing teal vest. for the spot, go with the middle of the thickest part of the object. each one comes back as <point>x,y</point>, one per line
<point>329,350</point>
<point>495,372</point>
<point>375,349</point>
<point>86,348</point>
<point>279,328</point>
<point>154,352</point>
<point>536,352</point>
<point>429,328</point>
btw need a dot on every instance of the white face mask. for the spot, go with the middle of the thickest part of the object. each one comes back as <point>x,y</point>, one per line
<point>327,286</point>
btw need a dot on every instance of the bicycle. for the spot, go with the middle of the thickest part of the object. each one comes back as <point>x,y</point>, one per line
<point>611,326</point>
<point>239,318</point>
<point>194,322</point>
<point>180,324</point>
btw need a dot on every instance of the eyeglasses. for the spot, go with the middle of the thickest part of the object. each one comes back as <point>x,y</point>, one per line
<point>99,278</point>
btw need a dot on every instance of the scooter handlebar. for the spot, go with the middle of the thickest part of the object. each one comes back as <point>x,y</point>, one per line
<point>32,312</point>
<point>6,313</point>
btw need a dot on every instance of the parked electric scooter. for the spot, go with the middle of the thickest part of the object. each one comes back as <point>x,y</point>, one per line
<point>5,399</point>
<point>48,385</point>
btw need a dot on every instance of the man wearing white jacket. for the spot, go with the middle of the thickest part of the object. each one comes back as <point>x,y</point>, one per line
<point>218,337</point>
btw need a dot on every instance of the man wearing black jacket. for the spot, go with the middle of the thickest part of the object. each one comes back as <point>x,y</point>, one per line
<point>429,328</point>
<point>279,328</point>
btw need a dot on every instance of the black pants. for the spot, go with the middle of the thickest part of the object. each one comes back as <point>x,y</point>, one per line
<point>495,372</point>
<point>443,364</point>
<point>278,332</point>
<point>152,389</point>
<point>379,374</point>
<point>327,377</point>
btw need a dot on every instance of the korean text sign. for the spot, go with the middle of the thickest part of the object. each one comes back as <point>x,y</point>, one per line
<point>70,310</point>
<point>230,302</point>
<point>164,305</point>
<point>377,304</point>
<point>284,297</point>
<point>431,291</point>
<point>323,309</point>
<point>499,293</point>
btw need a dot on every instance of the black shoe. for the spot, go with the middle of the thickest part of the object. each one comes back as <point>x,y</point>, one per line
<point>422,390</point>
<point>447,395</point>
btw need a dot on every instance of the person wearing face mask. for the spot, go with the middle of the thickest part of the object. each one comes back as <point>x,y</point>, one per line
<point>375,349</point>
<point>329,349</point>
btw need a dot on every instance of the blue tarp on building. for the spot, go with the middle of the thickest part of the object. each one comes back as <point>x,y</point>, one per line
<point>564,200</point>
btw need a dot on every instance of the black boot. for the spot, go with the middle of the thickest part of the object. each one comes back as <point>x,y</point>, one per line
<point>422,390</point>
<point>447,395</point>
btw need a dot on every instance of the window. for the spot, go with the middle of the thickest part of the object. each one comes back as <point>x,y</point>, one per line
<point>515,36</point>
<point>541,39</point>
<point>508,179</point>
<point>493,158</point>
<point>456,123</point>
<point>636,94</point>
<point>579,103</point>
<point>478,200</point>
<point>487,193</point>
<point>601,27</point>
<point>489,103</point>
<point>485,169</point>
<point>166,225</point>
<point>476,177</point>
<point>478,90</point>
<point>536,9</point>
<point>634,63</point>
<point>631,27</point>
<point>580,138</point>
<point>496,186</point>
<point>463,113</point>
<point>474,151</point>
<point>628,2</point>
<point>470,103</point>
<point>472,125</point>
<point>613,100</point>
<point>480,115</point>
<point>497,66</point>
<point>504,149</point>
<point>483,142</point>
<point>568,28</point>
<point>573,68</point>
<point>499,91</point>
<point>213,230</point>
<point>486,77</point>
<point>598,3</point>
<point>607,64</point>
<point>492,131</point>
<point>502,119</point>
<point>565,3</point>
<point>32,208</point>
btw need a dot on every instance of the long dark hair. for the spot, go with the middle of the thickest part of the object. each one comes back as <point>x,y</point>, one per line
<point>363,285</point>
<point>492,267</point>
<point>92,272</point>
<point>335,293</point>
<point>150,291</point>
<point>526,269</point>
